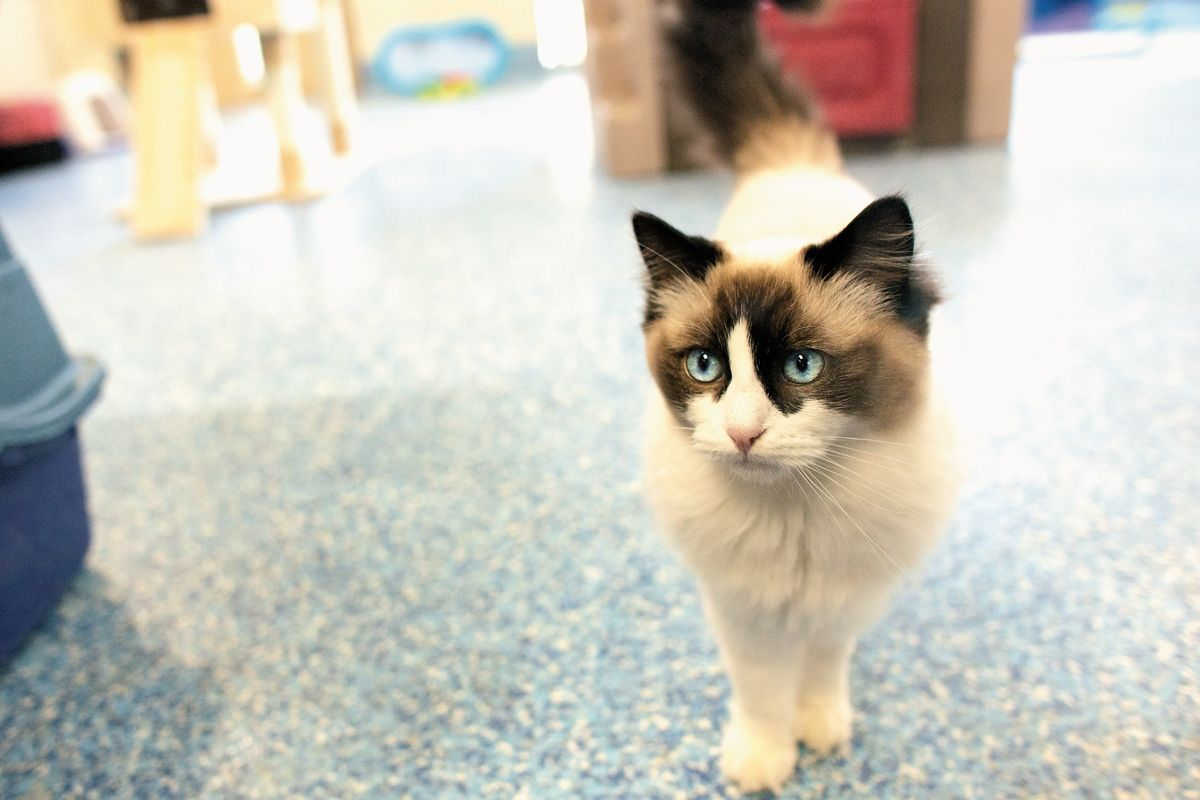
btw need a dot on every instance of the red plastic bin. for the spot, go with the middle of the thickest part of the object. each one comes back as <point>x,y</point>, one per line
<point>28,121</point>
<point>859,61</point>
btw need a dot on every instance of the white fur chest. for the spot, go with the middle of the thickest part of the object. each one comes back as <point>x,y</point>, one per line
<point>803,551</point>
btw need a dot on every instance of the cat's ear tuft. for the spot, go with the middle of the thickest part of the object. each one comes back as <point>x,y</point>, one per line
<point>671,254</point>
<point>879,247</point>
<point>880,237</point>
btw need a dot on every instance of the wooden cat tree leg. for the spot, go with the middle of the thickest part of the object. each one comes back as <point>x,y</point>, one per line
<point>336,71</point>
<point>281,54</point>
<point>168,72</point>
<point>210,125</point>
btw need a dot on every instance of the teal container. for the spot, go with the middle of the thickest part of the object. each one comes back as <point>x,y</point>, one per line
<point>44,526</point>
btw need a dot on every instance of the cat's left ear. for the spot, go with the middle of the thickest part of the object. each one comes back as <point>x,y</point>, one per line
<point>878,247</point>
<point>671,256</point>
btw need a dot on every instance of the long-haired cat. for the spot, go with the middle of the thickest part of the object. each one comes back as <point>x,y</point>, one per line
<point>796,455</point>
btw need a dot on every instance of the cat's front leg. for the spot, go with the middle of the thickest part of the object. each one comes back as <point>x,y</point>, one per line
<point>758,750</point>
<point>824,715</point>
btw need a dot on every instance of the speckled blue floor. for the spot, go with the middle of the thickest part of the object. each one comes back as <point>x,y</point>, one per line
<point>365,478</point>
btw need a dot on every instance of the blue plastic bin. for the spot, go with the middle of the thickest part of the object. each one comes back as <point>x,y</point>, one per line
<point>44,528</point>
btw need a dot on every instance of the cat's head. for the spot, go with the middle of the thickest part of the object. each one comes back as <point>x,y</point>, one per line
<point>766,360</point>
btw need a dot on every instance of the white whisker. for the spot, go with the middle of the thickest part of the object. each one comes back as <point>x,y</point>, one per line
<point>877,454</point>
<point>810,482</point>
<point>874,543</point>
<point>859,455</point>
<point>844,471</point>
<point>678,268</point>
<point>833,477</point>
<point>877,441</point>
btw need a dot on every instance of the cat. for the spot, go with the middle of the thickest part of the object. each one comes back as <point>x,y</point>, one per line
<point>797,455</point>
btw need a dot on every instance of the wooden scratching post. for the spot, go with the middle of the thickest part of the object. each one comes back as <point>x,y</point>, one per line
<point>171,86</point>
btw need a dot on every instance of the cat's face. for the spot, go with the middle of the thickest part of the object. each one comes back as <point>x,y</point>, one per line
<point>765,362</point>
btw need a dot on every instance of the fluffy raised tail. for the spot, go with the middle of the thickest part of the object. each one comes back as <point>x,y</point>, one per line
<point>757,121</point>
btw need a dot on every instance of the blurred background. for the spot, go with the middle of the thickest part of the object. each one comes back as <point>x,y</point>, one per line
<point>321,386</point>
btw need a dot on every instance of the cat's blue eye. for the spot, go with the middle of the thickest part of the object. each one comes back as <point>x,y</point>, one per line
<point>803,366</point>
<point>703,365</point>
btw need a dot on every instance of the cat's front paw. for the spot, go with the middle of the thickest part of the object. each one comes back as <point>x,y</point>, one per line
<point>754,761</point>
<point>824,723</point>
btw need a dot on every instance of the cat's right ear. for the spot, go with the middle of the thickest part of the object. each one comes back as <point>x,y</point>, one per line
<point>671,255</point>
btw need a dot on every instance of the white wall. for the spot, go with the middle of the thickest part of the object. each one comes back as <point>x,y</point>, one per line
<point>25,65</point>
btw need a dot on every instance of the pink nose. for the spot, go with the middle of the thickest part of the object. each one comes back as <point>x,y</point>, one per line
<point>744,438</point>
